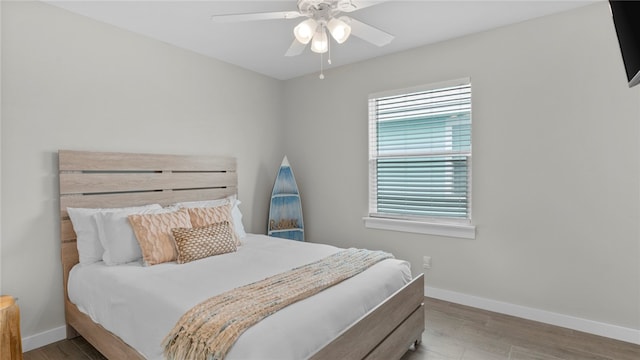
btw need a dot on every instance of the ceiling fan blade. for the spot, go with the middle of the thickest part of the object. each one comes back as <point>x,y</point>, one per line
<point>278,15</point>
<point>369,33</point>
<point>353,5</point>
<point>296,48</point>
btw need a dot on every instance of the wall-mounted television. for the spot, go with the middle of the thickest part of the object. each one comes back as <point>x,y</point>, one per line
<point>626,18</point>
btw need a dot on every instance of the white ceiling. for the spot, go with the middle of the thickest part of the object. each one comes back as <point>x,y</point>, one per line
<point>260,45</point>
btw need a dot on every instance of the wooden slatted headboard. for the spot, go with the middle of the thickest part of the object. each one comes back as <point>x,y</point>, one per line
<point>107,180</point>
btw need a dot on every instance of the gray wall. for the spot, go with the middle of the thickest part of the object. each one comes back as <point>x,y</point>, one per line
<point>69,82</point>
<point>556,157</point>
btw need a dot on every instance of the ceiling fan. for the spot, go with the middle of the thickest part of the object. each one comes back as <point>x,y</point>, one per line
<point>321,15</point>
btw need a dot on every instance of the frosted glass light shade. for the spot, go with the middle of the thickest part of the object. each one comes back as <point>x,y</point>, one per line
<point>305,30</point>
<point>320,42</point>
<point>339,29</point>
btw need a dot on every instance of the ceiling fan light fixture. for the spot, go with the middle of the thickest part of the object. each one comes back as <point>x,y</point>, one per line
<point>320,42</point>
<point>304,31</point>
<point>339,29</point>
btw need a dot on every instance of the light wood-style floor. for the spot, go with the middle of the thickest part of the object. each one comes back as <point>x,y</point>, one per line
<point>454,332</point>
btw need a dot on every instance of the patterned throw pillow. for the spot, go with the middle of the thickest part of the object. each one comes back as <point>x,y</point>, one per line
<point>211,215</point>
<point>201,242</point>
<point>153,232</point>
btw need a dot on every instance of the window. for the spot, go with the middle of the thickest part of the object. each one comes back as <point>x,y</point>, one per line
<point>420,159</point>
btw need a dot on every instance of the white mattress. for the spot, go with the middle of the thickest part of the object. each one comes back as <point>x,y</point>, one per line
<point>142,304</point>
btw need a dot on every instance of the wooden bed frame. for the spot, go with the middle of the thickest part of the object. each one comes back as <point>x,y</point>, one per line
<point>103,180</point>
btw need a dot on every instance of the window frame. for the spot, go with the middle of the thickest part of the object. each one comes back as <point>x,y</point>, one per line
<point>433,225</point>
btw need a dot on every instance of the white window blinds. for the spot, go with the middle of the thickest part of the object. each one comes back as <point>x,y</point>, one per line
<point>420,152</point>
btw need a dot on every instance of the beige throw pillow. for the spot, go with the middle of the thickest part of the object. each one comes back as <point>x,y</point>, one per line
<point>201,242</point>
<point>153,232</point>
<point>211,215</point>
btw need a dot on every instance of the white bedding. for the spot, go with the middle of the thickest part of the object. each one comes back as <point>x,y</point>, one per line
<point>142,304</point>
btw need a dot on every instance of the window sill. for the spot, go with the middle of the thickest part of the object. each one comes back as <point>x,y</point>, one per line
<point>457,230</point>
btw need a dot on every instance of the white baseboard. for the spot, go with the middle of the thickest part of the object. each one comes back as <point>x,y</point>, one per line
<point>44,338</point>
<point>566,321</point>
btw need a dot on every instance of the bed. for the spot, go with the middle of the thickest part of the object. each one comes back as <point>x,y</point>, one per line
<point>385,329</point>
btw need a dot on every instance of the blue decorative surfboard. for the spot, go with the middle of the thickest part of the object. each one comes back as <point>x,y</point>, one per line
<point>285,213</point>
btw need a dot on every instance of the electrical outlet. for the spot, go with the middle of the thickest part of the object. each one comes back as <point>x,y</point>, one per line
<point>426,262</point>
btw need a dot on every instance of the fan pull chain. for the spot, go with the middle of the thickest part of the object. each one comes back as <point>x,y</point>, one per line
<point>321,68</point>
<point>329,47</point>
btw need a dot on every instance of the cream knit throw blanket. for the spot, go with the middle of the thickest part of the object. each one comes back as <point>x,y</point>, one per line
<point>208,330</point>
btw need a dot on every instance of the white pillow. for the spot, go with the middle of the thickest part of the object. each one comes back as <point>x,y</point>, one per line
<point>235,210</point>
<point>90,249</point>
<point>117,236</point>
<point>237,220</point>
